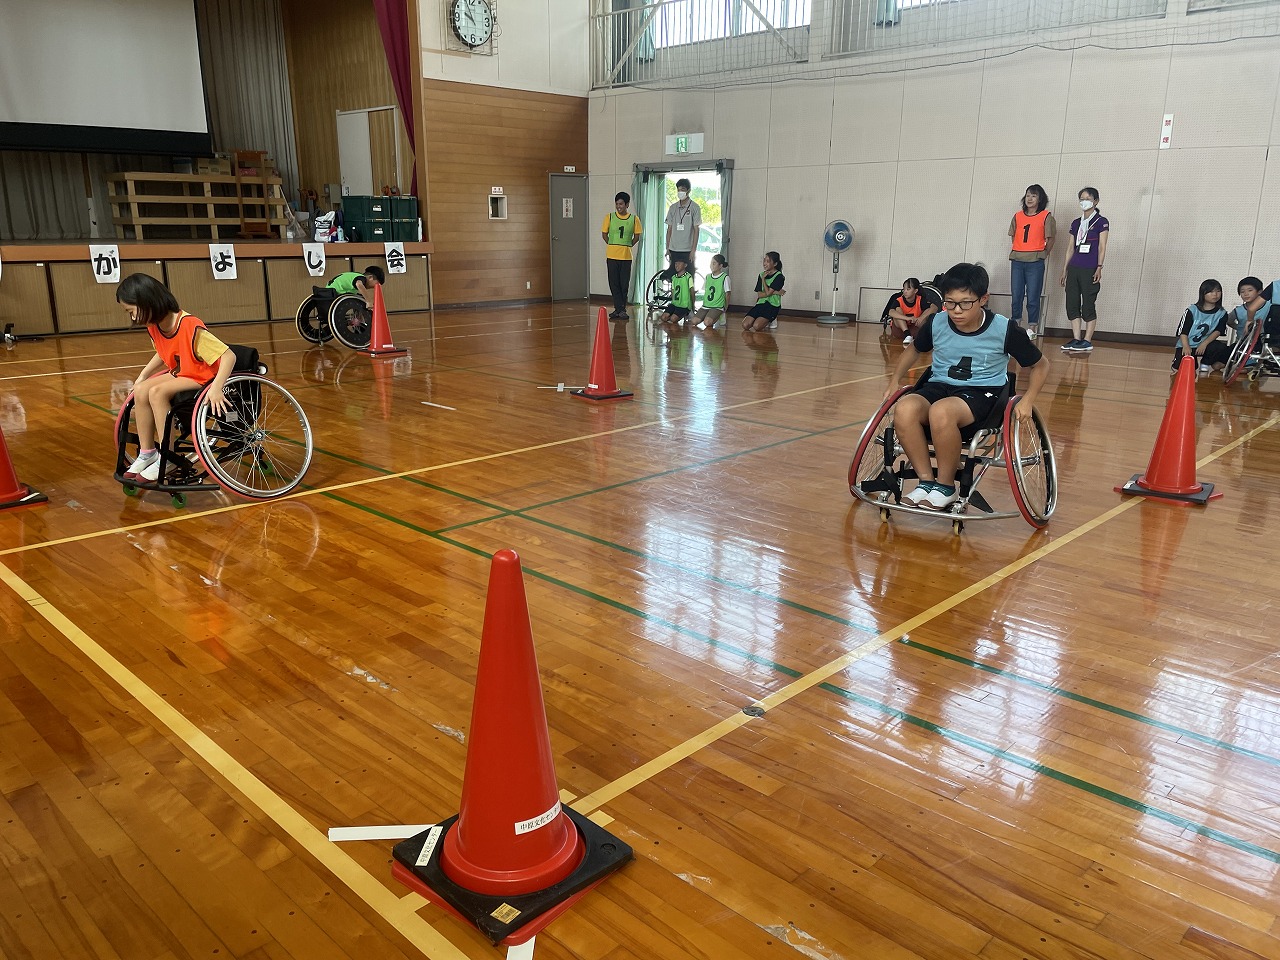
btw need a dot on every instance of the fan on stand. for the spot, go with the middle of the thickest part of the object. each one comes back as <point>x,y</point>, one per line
<point>838,236</point>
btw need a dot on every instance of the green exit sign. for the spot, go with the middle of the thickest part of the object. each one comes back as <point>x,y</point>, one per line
<point>682,144</point>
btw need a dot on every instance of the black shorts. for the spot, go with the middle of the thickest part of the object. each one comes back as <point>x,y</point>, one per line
<point>981,400</point>
<point>766,310</point>
<point>678,312</point>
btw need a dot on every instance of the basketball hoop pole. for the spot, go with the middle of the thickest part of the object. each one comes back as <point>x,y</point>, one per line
<point>833,318</point>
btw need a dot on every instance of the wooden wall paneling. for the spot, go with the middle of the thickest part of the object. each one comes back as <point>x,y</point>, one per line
<point>336,62</point>
<point>220,301</point>
<point>24,299</point>
<point>478,137</point>
<point>84,304</point>
<point>410,290</point>
<point>290,283</point>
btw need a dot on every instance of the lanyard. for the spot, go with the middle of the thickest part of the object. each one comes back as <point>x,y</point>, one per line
<point>1082,233</point>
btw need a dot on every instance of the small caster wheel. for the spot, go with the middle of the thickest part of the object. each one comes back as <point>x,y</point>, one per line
<point>1253,375</point>
<point>131,491</point>
<point>179,499</point>
<point>884,514</point>
<point>957,527</point>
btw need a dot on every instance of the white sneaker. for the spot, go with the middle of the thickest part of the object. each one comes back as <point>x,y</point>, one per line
<point>938,499</point>
<point>132,472</point>
<point>150,473</point>
<point>917,496</point>
<point>1205,368</point>
<point>906,340</point>
<point>1031,334</point>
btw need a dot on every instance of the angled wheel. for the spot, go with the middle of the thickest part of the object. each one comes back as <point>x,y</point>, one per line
<point>658,294</point>
<point>351,321</point>
<point>1241,352</point>
<point>312,321</point>
<point>261,447</point>
<point>874,455</point>
<point>1032,467</point>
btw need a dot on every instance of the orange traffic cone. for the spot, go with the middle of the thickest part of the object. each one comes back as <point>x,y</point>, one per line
<point>380,343</point>
<point>1171,474</point>
<point>514,858</point>
<point>13,493</point>
<point>600,382</point>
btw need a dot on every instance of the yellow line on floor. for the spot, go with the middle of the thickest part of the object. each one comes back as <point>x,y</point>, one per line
<point>382,478</point>
<point>776,699</point>
<point>380,899</point>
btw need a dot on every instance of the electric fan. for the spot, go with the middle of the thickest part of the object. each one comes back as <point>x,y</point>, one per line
<point>838,236</point>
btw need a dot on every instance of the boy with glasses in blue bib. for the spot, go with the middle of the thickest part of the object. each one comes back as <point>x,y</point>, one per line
<point>971,348</point>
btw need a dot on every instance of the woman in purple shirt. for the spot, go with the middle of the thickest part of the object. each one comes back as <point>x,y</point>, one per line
<point>1082,274</point>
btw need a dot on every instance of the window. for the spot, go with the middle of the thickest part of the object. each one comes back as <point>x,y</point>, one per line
<point>692,21</point>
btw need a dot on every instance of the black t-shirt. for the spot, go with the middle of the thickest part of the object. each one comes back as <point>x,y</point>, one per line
<point>1016,342</point>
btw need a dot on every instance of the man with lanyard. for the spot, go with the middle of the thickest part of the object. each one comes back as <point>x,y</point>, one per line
<point>621,232</point>
<point>684,218</point>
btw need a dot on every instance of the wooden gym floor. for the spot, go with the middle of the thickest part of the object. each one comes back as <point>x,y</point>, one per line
<point>1008,744</point>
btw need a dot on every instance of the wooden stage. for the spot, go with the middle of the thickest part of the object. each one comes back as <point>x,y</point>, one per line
<point>1009,744</point>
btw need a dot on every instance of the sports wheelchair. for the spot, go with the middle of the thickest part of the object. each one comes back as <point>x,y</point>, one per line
<point>657,295</point>
<point>259,449</point>
<point>1252,355</point>
<point>880,466</point>
<point>327,314</point>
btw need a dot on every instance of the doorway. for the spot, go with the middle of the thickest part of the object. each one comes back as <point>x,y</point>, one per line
<point>369,151</point>
<point>570,237</point>
<point>711,185</point>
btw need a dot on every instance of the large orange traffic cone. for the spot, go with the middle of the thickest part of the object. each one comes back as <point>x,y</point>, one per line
<point>380,343</point>
<point>13,493</point>
<point>1171,474</point>
<point>514,858</point>
<point>601,384</point>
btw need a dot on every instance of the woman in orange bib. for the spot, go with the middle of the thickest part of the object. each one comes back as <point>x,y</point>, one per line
<point>187,353</point>
<point>1032,230</point>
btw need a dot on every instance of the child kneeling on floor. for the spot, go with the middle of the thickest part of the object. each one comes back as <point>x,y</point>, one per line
<point>971,348</point>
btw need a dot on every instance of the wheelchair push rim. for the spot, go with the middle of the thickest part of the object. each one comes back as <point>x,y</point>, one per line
<point>351,321</point>
<point>869,459</point>
<point>312,321</point>
<point>1240,354</point>
<point>262,448</point>
<point>1032,468</point>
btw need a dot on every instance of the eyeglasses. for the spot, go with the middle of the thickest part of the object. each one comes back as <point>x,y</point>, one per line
<point>958,304</point>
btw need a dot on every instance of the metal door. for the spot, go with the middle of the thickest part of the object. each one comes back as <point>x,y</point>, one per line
<point>570,237</point>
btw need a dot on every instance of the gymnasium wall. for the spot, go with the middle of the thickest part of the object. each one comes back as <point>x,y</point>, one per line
<point>479,137</point>
<point>929,164</point>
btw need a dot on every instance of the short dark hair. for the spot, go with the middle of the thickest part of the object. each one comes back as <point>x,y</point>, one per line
<point>965,276</point>
<point>775,257</point>
<point>1091,191</point>
<point>376,273</point>
<point>1250,282</point>
<point>623,196</point>
<point>912,282</point>
<point>680,260</point>
<point>1042,198</point>
<point>684,182</point>
<point>152,298</point>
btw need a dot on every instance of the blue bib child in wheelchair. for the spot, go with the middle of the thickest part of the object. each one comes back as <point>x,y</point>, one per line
<point>961,416</point>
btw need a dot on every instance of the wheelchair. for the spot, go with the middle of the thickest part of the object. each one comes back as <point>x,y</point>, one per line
<point>657,295</point>
<point>1252,356</point>
<point>880,467</point>
<point>327,314</point>
<point>259,449</point>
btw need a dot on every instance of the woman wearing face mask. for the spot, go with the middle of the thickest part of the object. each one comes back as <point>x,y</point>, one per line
<point>1082,274</point>
<point>684,217</point>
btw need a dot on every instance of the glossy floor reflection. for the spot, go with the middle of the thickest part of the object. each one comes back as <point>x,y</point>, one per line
<point>1010,743</point>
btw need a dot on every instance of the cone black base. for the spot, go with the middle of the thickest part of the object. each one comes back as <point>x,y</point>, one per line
<point>604,853</point>
<point>1134,488</point>
<point>27,498</point>
<point>385,353</point>
<point>616,395</point>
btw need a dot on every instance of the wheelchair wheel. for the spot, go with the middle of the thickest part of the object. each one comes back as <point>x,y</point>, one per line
<point>1240,354</point>
<point>869,459</point>
<point>657,296</point>
<point>261,447</point>
<point>351,321</point>
<point>1033,469</point>
<point>312,322</point>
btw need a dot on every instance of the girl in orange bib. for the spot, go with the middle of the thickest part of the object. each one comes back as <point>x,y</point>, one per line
<point>187,357</point>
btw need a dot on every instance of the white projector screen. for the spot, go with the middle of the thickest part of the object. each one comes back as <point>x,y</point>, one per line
<point>116,76</point>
